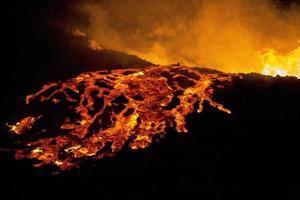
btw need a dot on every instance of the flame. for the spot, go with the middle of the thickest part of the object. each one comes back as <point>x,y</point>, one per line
<point>110,109</point>
<point>283,65</point>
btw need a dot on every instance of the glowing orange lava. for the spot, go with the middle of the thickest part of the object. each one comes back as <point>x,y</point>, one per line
<point>110,109</point>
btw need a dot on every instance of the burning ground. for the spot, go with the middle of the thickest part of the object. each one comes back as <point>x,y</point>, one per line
<point>254,146</point>
<point>102,111</point>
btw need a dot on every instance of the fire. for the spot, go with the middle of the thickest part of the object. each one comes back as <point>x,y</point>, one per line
<point>282,65</point>
<point>109,109</point>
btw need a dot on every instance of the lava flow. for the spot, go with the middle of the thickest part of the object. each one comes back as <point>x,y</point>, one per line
<point>108,109</point>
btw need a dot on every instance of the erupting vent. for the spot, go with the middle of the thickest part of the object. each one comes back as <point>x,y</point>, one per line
<point>105,110</point>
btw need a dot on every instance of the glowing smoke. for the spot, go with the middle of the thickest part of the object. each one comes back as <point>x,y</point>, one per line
<point>224,34</point>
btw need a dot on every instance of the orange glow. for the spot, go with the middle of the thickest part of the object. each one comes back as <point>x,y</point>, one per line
<point>283,65</point>
<point>117,108</point>
<point>24,125</point>
<point>226,35</point>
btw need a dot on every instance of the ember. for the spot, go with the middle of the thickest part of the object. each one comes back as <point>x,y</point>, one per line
<point>110,109</point>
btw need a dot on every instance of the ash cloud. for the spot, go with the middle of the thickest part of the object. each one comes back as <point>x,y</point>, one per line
<point>222,34</point>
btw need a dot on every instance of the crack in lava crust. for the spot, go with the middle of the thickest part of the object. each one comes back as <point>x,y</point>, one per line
<point>112,109</point>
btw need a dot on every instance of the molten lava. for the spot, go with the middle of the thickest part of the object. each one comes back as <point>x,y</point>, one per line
<point>108,109</point>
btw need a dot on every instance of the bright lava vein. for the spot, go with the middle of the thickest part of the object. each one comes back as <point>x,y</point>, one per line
<point>106,110</point>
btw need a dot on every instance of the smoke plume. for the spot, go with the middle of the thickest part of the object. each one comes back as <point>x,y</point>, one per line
<point>223,34</point>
